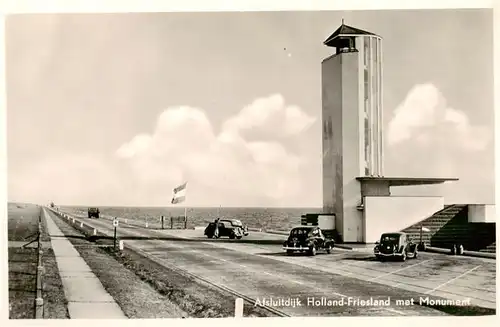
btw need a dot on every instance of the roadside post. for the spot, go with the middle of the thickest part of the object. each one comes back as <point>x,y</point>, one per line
<point>238,308</point>
<point>162,220</point>
<point>121,245</point>
<point>115,224</point>
<point>171,222</point>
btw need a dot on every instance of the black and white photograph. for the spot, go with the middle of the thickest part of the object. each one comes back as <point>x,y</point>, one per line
<point>250,164</point>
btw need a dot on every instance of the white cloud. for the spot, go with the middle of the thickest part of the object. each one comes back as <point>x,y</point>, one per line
<point>184,146</point>
<point>270,115</point>
<point>427,138</point>
<point>425,116</point>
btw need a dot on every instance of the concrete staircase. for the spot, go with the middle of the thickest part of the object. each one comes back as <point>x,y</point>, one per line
<point>451,226</point>
<point>434,223</point>
<point>492,248</point>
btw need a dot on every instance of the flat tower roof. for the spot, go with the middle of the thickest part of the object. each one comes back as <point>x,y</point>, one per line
<point>406,181</point>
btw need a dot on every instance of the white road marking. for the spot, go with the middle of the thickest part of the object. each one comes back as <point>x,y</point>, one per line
<point>453,279</point>
<point>396,271</point>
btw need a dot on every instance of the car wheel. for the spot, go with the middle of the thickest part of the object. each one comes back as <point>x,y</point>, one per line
<point>312,251</point>
<point>231,236</point>
<point>289,252</point>
<point>238,237</point>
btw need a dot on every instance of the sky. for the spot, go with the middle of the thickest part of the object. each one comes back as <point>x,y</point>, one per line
<point>118,109</point>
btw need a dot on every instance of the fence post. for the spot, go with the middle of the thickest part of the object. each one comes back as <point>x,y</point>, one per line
<point>39,277</point>
<point>39,308</point>
<point>162,222</point>
<point>171,222</point>
<point>185,222</point>
<point>238,308</point>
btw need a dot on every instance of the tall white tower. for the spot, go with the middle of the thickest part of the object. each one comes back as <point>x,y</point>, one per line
<point>352,124</point>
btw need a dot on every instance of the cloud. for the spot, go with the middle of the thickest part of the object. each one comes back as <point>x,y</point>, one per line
<point>425,117</point>
<point>427,138</point>
<point>271,116</point>
<point>223,166</point>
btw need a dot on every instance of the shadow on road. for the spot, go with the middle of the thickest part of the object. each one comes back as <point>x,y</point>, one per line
<point>365,258</point>
<point>284,254</point>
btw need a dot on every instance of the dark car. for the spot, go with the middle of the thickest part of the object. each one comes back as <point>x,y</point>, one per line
<point>308,239</point>
<point>231,228</point>
<point>93,212</point>
<point>395,245</point>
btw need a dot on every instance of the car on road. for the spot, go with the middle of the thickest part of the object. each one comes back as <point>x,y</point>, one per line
<point>309,239</point>
<point>395,245</point>
<point>93,212</point>
<point>232,228</point>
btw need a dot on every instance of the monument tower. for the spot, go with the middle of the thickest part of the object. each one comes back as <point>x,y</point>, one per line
<point>353,142</point>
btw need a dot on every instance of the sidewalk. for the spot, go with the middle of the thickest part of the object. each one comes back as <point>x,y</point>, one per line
<point>87,298</point>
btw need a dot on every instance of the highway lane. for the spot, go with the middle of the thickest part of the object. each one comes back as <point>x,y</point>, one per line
<point>262,277</point>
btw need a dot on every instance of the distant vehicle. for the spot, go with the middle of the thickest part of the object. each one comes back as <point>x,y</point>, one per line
<point>395,245</point>
<point>308,239</point>
<point>231,228</point>
<point>93,212</point>
<point>52,205</point>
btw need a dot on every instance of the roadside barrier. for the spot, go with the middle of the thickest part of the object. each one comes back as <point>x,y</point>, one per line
<point>94,231</point>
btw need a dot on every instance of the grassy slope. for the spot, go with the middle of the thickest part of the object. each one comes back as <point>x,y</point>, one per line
<point>23,226</point>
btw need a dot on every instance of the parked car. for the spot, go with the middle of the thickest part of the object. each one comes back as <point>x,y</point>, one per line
<point>308,239</point>
<point>93,212</point>
<point>231,228</point>
<point>395,245</point>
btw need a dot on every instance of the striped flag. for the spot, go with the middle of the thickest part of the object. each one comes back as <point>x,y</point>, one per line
<point>179,194</point>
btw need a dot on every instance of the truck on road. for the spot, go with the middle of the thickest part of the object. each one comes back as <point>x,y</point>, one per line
<point>93,212</point>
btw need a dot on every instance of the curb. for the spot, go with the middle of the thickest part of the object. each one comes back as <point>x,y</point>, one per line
<point>465,253</point>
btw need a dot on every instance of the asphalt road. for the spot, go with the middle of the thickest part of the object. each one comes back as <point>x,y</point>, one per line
<point>313,286</point>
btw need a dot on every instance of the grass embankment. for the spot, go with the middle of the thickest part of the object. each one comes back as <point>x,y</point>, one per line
<point>23,227</point>
<point>141,286</point>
